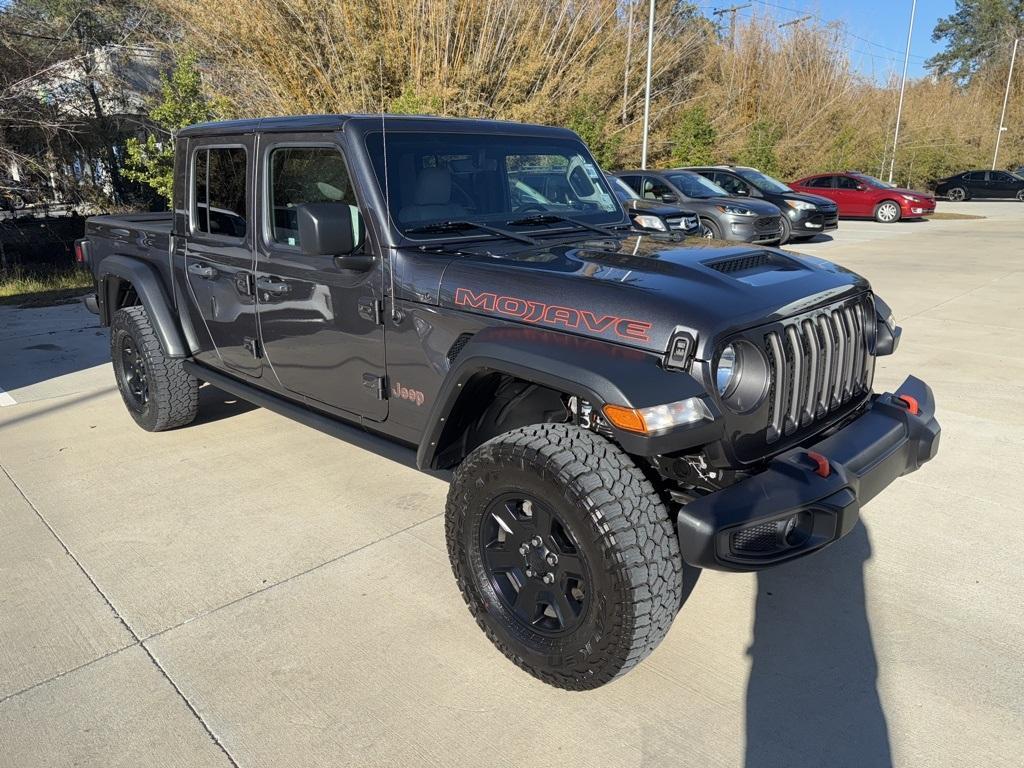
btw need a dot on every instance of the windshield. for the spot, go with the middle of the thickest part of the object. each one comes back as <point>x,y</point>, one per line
<point>621,189</point>
<point>762,181</point>
<point>498,180</point>
<point>871,181</point>
<point>694,185</point>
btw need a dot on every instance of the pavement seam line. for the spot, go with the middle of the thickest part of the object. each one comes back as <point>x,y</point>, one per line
<point>294,576</point>
<point>66,672</point>
<point>120,618</point>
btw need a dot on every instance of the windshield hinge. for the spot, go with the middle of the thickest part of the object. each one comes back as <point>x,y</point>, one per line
<point>371,309</point>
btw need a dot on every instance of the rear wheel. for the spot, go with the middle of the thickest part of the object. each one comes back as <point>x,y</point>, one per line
<point>564,553</point>
<point>157,391</point>
<point>1020,194</point>
<point>956,195</point>
<point>887,212</point>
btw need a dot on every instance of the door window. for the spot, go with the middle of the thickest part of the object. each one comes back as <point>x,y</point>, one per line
<point>219,201</point>
<point>654,188</point>
<point>822,182</point>
<point>731,184</point>
<point>1002,178</point>
<point>305,175</point>
<point>975,176</point>
<point>845,182</point>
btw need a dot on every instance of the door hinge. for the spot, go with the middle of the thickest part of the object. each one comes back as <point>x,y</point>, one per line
<point>371,309</point>
<point>253,346</point>
<point>375,384</point>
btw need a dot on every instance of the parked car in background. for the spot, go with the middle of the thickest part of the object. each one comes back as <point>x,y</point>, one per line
<point>981,184</point>
<point>654,217</point>
<point>804,216</point>
<point>724,217</point>
<point>861,196</point>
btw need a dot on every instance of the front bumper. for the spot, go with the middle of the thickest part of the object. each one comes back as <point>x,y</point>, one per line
<point>917,210</point>
<point>812,222</point>
<point>764,229</point>
<point>796,506</point>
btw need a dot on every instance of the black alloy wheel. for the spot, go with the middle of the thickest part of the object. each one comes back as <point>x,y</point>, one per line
<point>134,380</point>
<point>534,564</point>
<point>956,195</point>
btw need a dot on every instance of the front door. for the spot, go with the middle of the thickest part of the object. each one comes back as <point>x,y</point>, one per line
<point>219,255</point>
<point>321,327</point>
<point>1002,184</point>
<point>852,201</point>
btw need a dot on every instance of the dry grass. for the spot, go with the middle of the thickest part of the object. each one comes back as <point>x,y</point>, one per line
<point>950,216</point>
<point>788,99</point>
<point>20,288</point>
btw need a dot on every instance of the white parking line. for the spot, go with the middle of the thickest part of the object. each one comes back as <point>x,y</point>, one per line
<point>6,399</point>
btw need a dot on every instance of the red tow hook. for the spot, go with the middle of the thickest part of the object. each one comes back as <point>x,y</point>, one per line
<point>822,468</point>
<point>911,403</point>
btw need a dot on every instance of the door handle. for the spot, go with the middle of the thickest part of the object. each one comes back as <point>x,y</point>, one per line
<point>201,270</point>
<point>272,286</point>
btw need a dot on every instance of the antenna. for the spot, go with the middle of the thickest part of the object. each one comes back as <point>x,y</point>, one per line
<point>387,191</point>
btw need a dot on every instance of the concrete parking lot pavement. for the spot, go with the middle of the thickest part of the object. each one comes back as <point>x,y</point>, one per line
<point>249,592</point>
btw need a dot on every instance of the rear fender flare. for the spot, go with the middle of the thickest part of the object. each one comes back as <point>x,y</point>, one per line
<point>147,284</point>
<point>596,370</point>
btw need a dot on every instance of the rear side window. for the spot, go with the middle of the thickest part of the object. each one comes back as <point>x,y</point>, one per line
<point>304,175</point>
<point>219,192</point>
<point>975,176</point>
<point>822,182</point>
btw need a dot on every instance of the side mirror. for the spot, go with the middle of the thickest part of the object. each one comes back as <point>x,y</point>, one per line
<point>860,187</point>
<point>668,197</point>
<point>742,192</point>
<point>332,229</point>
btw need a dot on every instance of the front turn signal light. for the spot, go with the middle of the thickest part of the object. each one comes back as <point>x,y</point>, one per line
<point>657,418</point>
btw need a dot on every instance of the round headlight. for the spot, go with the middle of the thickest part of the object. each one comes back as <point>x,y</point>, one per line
<point>726,371</point>
<point>741,376</point>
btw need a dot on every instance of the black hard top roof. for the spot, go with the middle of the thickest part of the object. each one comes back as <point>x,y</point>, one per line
<point>302,123</point>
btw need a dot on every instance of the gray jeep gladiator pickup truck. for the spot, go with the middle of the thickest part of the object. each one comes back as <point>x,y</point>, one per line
<point>617,410</point>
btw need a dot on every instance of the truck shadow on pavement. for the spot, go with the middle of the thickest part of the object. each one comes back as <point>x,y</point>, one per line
<point>812,698</point>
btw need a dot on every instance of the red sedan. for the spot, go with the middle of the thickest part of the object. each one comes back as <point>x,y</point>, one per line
<point>861,196</point>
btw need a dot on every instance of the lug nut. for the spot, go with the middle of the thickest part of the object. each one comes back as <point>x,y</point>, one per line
<point>552,559</point>
<point>549,578</point>
<point>529,573</point>
<point>524,549</point>
<point>536,541</point>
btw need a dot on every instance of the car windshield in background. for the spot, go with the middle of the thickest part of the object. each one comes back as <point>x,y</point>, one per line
<point>762,181</point>
<point>695,185</point>
<point>621,189</point>
<point>871,181</point>
<point>498,180</point>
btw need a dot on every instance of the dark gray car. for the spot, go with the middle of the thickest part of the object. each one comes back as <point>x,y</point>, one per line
<point>725,217</point>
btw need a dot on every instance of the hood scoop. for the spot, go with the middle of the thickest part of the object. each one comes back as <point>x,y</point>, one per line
<point>748,264</point>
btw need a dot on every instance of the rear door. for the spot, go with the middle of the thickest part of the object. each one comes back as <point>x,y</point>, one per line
<point>219,254</point>
<point>321,326</point>
<point>822,185</point>
<point>976,183</point>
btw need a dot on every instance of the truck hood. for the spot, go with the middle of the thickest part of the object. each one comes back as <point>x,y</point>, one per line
<point>639,291</point>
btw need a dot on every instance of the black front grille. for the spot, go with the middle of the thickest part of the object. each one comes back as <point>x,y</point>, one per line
<point>768,224</point>
<point>819,362</point>
<point>740,263</point>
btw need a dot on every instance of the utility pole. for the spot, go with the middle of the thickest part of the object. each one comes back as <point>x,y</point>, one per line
<point>903,86</point>
<point>731,10</point>
<point>1006,97</point>
<point>647,93</point>
<point>629,53</point>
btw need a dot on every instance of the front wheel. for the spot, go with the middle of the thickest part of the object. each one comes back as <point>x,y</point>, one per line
<point>157,391</point>
<point>564,553</point>
<point>711,230</point>
<point>787,230</point>
<point>888,212</point>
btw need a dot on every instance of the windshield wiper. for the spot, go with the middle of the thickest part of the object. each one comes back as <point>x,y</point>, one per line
<point>551,218</point>
<point>455,226</point>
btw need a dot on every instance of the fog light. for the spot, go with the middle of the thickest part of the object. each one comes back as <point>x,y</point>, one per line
<point>798,529</point>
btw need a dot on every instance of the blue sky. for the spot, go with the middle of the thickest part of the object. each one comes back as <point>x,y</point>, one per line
<point>879,27</point>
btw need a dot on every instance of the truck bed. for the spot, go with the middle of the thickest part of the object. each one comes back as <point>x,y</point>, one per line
<point>142,235</point>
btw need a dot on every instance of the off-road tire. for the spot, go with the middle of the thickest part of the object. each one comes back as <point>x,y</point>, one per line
<point>173,395</point>
<point>624,534</point>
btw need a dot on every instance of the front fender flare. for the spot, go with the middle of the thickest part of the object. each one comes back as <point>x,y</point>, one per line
<point>147,284</point>
<point>596,370</point>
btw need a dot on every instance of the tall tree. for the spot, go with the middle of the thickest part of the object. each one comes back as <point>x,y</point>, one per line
<point>976,35</point>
